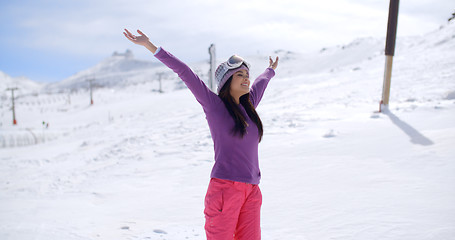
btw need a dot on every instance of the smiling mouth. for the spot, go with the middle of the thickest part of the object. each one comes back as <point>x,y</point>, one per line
<point>244,84</point>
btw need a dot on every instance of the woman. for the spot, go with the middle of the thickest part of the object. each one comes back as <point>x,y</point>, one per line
<point>233,200</point>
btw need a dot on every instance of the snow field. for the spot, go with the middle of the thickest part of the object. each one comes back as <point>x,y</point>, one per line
<point>136,164</point>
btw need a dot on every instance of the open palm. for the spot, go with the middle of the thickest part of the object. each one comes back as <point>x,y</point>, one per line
<point>273,64</point>
<point>140,40</point>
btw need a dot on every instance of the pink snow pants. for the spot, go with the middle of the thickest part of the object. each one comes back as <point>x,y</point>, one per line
<point>232,210</point>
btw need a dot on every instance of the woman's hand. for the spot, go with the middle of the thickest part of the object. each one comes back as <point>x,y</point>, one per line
<point>142,40</point>
<point>273,64</point>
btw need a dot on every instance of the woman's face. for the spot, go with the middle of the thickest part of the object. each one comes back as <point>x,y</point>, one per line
<point>240,84</point>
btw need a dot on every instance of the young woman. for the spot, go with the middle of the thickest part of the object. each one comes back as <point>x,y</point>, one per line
<point>233,200</point>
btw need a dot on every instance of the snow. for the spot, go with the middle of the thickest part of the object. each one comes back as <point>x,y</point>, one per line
<point>136,164</point>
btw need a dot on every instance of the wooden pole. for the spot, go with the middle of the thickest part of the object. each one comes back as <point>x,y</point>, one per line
<point>387,80</point>
<point>389,51</point>
<point>212,83</point>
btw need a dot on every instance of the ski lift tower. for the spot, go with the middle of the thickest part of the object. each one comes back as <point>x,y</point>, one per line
<point>12,100</point>
<point>91,91</point>
<point>160,76</point>
<point>389,52</point>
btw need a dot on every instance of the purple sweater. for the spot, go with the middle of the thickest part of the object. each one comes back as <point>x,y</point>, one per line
<point>236,158</point>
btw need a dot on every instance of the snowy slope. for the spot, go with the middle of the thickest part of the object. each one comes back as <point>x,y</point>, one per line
<point>24,88</point>
<point>136,164</point>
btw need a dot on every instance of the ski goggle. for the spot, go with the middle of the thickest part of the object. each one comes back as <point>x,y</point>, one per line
<point>236,61</point>
<point>232,63</point>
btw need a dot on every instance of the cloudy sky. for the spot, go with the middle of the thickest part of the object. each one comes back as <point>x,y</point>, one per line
<point>50,40</point>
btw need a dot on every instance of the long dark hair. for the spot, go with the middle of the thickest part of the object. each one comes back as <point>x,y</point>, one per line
<point>234,111</point>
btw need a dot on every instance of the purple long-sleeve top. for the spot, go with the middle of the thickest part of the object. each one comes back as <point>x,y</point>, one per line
<point>236,158</point>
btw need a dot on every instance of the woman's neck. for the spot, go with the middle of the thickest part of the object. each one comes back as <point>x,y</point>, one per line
<point>237,97</point>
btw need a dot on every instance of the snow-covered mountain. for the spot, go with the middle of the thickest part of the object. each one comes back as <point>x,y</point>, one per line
<point>119,70</point>
<point>136,164</point>
<point>24,85</point>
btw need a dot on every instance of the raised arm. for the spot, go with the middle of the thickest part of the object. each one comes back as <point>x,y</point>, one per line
<point>202,93</point>
<point>261,82</point>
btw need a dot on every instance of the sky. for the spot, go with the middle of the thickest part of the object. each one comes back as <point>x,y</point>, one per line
<point>50,40</point>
